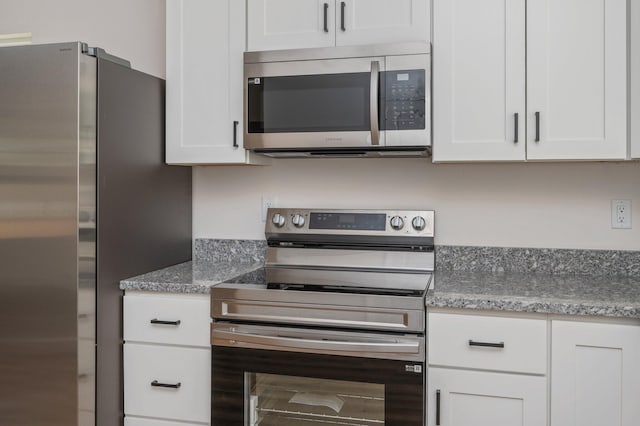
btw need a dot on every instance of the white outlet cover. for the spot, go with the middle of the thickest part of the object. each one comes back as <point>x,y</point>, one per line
<point>268,201</point>
<point>621,214</point>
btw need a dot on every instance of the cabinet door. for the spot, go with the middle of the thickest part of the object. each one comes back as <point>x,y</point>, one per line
<point>205,43</point>
<point>472,398</point>
<point>168,382</point>
<point>382,21</point>
<point>290,24</point>
<point>577,79</point>
<point>595,374</point>
<point>635,79</point>
<point>478,80</point>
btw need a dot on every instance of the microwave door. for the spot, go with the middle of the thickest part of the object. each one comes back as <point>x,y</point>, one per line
<point>313,104</point>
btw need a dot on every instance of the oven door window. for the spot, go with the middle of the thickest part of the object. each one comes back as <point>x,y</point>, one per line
<point>278,400</point>
<point>309,103</point>
<point>263,387</point>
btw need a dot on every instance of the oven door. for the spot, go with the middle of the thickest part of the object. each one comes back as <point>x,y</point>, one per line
<point>264,375</point>
<point>313,104</point>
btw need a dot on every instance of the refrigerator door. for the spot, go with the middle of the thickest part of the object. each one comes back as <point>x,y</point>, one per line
<point>144,211</point>
<point>43,137</point>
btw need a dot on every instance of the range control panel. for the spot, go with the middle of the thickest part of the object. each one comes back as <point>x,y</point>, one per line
<point>403,99</point>
<point>357,222</point>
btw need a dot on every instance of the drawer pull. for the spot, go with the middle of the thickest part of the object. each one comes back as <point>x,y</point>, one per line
<point>157,384</point>
<point>162,322</point>
<point>486,344</point>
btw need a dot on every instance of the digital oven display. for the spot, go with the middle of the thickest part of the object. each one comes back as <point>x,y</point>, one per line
<point>348,221</point>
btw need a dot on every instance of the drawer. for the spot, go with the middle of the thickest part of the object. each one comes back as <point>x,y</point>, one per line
<point>175,320</point>
<point>136,421</point>
<point>457,341</point>
<point>147,364</point>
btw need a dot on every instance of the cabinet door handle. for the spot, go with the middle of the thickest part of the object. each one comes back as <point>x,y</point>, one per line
<point>343,5</point>
<point>486,344</point>
<point>157,384</point>
<point>537,126</point>
<point>516,120</point>
<point>326,13</point>
<point>438,407</point>
<point>163,322</point>
<point>235,133</point>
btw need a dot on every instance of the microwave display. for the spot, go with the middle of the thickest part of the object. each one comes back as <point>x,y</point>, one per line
<point>335,102</point>
<point>403,100</point>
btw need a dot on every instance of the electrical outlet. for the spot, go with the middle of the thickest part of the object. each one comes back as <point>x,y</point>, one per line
<point>621,214</point>
<point>268,201</point>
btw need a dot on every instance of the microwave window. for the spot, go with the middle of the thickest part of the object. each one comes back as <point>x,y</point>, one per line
<point>309,103</point>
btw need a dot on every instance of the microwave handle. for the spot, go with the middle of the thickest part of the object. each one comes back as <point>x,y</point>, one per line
<point>373,103</point>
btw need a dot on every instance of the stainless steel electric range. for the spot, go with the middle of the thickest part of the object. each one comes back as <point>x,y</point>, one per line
<point>336,334</point>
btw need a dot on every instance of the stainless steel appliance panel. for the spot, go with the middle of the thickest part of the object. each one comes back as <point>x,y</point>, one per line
<point>328,342</point>
<point>350,259</point>
<point>306,314</point>
<point>39,136</point>
<point>67,122</point>
<point>342,101</point>
<point>144,210</point>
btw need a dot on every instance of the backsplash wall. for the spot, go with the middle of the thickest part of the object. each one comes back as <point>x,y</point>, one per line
<point>555,205</point>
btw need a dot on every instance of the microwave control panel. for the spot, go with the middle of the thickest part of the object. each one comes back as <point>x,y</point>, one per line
<point>403,100</point>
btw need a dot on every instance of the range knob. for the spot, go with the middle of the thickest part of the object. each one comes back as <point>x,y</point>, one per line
<point>418,223</point>
<point>278,220</point>
<point>298,220</point>
<point>397,223</point>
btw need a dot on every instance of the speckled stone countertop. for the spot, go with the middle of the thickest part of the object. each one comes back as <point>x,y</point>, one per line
<point>609,296</point>
<point>552,281</point>
<point>192,277</point>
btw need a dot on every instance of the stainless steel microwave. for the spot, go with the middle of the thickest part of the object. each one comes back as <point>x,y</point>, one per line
<point>340,101</point>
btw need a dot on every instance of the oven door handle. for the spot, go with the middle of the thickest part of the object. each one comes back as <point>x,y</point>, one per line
<point>315,344</point>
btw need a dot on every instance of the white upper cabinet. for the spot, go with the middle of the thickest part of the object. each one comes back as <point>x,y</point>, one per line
<point>382,21</point>
<point>575,88</point>
<point>205,44</point>
<point>290,24</point>
<point>635,79</point>
<point>479,80</point>
<point>293,24</point>
<point>577,79</point>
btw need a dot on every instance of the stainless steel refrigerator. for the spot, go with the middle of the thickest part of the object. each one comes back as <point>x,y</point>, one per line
<point>85,201</point>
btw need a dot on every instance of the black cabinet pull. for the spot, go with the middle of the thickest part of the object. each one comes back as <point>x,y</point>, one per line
<point>538,126</point>
<point>516,120</point>
<point>157,384</point>
<point>486,344</point>
<point>342,7</point>
<point>235,133</point>
<point>438,407</point>
<point>326,12</point>
<point>162,322</point>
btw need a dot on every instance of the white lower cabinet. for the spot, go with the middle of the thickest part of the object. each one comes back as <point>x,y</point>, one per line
<point>595,374</point>
<point>486,370</point>
<point>167,359</point>
<point>472,398</point>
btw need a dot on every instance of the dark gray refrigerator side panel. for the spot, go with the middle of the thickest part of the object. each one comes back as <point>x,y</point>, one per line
<point>39,136</point>
<point>144,211</point>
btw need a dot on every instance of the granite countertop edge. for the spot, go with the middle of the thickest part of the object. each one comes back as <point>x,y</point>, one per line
<point>533,305</point>
<point>188,277</point>
<point>198,278</point>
